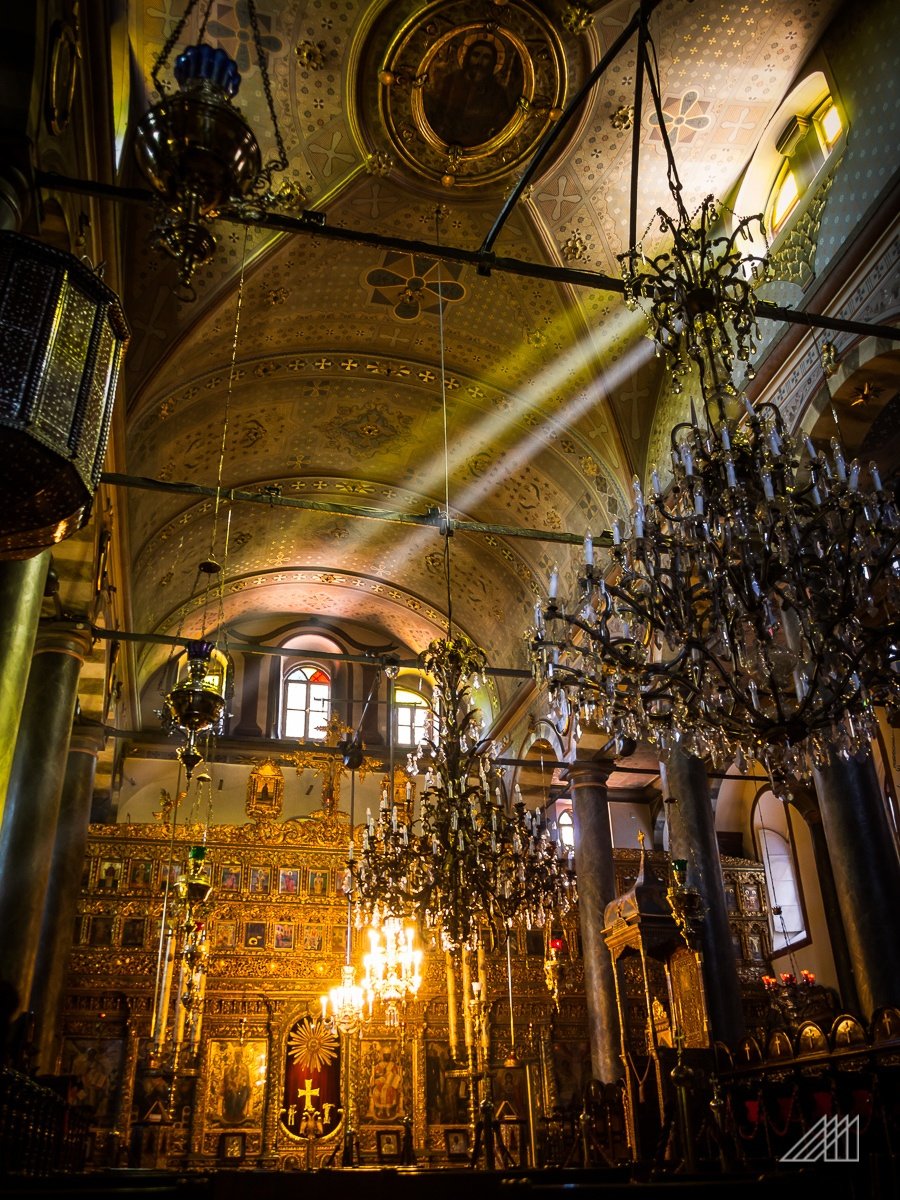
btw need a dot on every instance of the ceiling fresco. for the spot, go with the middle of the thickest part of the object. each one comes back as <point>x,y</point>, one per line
<point>396,382</point>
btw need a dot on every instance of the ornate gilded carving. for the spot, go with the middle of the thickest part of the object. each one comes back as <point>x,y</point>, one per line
<point>265,790</point>
<point>795,259</point>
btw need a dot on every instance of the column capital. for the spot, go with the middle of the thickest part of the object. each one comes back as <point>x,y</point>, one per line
<point>64,637</point>
<point>589,772</point>
<point>594,767</point>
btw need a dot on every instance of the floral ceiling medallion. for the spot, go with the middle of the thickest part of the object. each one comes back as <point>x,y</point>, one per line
<point>465,95</point>
<point>412,284</point>
<point>684,116</point>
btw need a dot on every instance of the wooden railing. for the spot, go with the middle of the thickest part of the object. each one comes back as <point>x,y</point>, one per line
<point>40,1133</point>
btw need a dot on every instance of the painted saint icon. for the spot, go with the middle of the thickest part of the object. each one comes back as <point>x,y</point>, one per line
<point>474,85</point>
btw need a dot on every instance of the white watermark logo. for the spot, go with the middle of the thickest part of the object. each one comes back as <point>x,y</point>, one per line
<point>831,1139</point>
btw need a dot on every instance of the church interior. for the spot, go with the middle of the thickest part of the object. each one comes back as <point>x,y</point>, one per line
<point>503,790</point>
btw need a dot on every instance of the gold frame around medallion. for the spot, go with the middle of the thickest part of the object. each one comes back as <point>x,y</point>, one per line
<point>515,122</point>
<point>414,49</point>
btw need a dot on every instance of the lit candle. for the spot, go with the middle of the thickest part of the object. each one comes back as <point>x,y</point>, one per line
<point>588,549</point>
<point>839,463</point>
<point>553,588</point>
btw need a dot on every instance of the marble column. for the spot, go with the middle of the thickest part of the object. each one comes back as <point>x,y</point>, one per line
<point>867,874</point>
<point>692,837</point>
<point>596,888</point>
<point>805,800</point>
<point>21,592</point>
<point>249,723</point>
<point>33,797</point>
<point>63,888</point>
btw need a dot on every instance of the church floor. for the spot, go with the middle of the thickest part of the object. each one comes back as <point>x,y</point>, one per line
<point>879,1180</point>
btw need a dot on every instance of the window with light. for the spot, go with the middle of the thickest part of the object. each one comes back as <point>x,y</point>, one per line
<point>787,193</point>
<point>806,143</point>
<point>770,828</point>
<point>306,703</point>
<point>410,717</point>
<point>828,124</point>
<point>566,827</point>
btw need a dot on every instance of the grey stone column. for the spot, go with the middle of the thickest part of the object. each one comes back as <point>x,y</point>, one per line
<point>63,888</point>
<point>867,874</point>
<point>692,837</point>
<point>806,802</point>
<point>33,796</point>
<point>21,592</point>
<point>249,723</point>
<point>596,888</point>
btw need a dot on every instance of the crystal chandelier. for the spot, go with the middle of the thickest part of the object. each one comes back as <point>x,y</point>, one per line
<point>750,607</point>
<point>347,999</point>
<point>344,1006</point>
<point>751,610</point>
<point>392,968</point>
<point>466,863</point>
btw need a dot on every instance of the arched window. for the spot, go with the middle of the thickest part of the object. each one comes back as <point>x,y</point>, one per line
<point>566,827</point>
<point>410,717</point>
<point>785,195</point>
<point>772,834</point>
<point>806,145</point>
<point>306,700</point>
<point>800,147</point>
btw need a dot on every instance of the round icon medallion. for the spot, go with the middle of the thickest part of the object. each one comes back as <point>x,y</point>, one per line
<point>464,98</point>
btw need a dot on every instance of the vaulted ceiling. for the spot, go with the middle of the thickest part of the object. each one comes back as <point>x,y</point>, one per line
<point>340,346</point>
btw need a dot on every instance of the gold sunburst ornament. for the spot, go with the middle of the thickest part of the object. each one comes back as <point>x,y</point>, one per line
<point>313,1045</point>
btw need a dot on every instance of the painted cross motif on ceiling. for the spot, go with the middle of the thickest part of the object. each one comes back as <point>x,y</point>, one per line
<point>233,32</point>
<point>412,284</point>
<point>684,116</point>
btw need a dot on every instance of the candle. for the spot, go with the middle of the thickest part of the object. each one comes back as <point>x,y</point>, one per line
<point>588,549</point>
<point>554,583</point>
